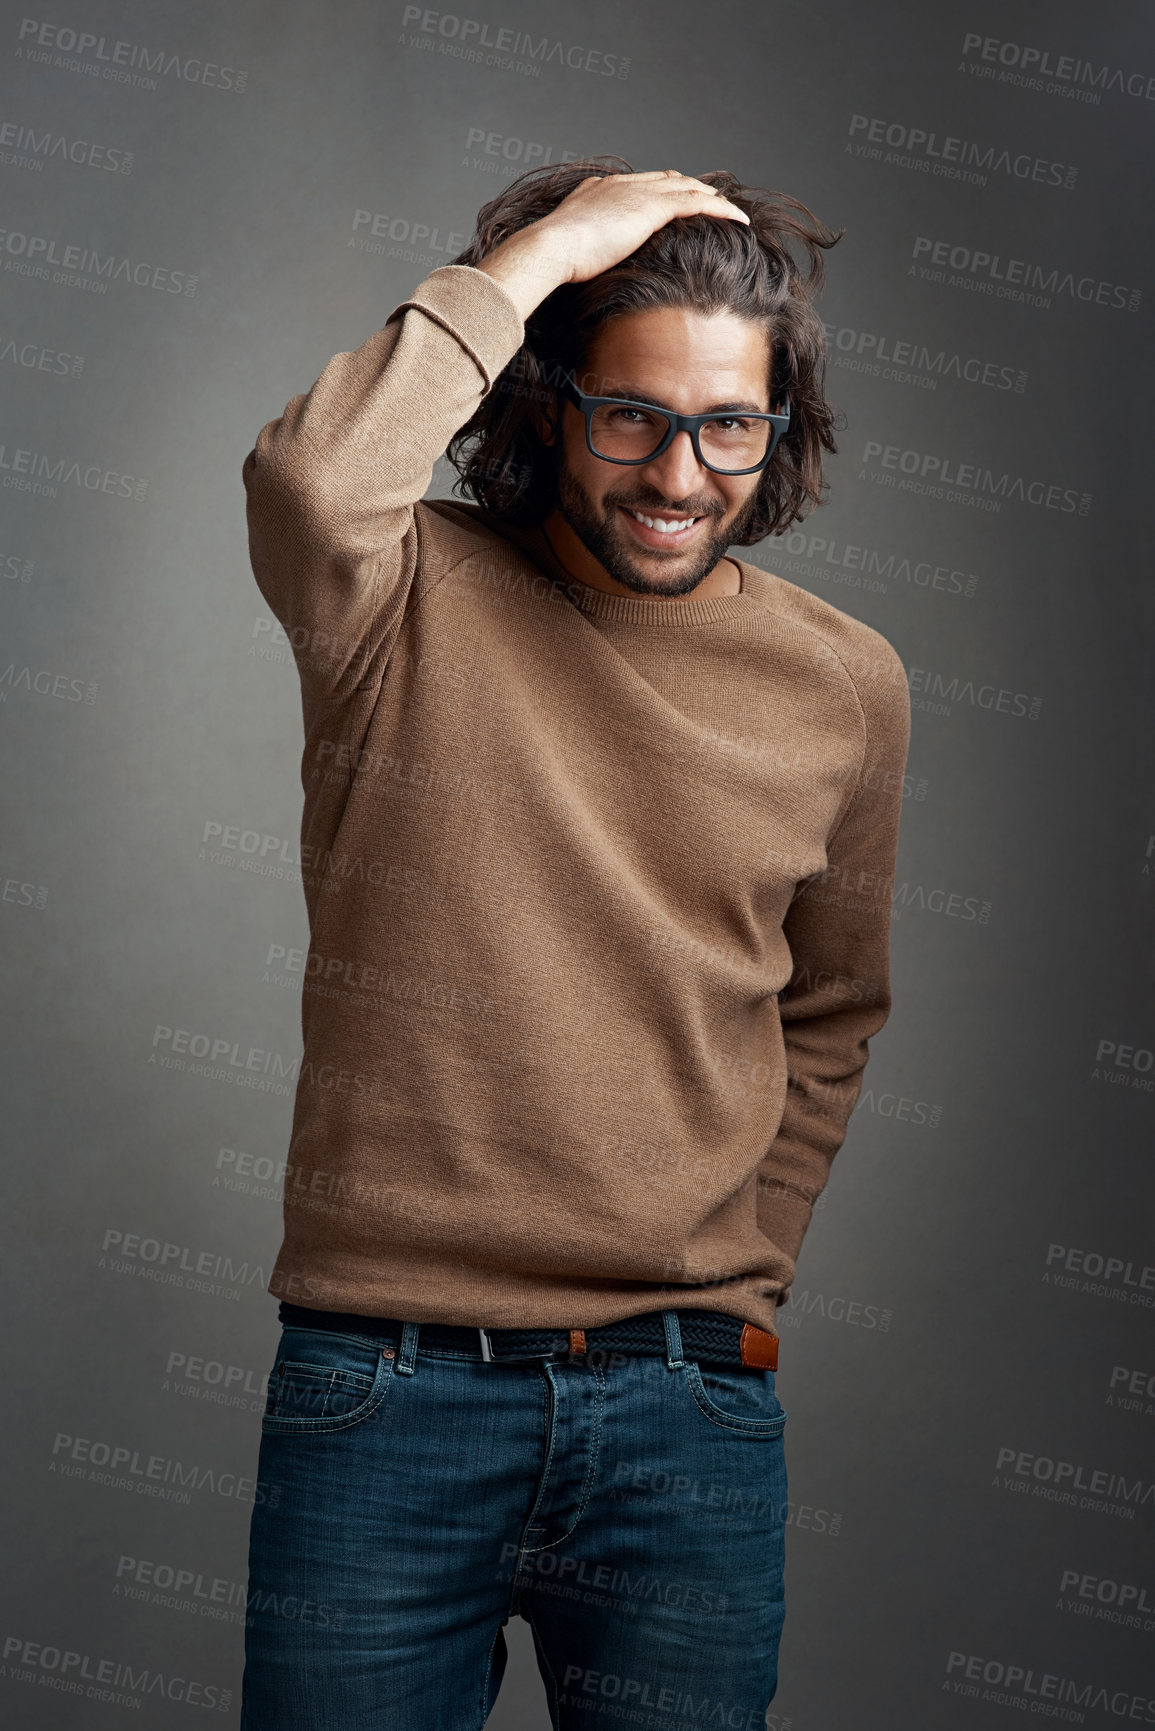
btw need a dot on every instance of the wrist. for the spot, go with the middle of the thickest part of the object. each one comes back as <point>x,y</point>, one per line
<point>526,271</point>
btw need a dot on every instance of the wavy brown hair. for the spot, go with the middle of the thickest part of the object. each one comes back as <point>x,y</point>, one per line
<point>693,261</point>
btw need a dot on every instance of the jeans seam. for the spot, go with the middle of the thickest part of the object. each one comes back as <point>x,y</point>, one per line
<point>551,1449</point>
<point>279,1426</point>
<point>552,1700</point>
<point>517,1586</point>
<point>595,1446</point>
<point>485,1705</point>
<point>764,1429</point>
<point>587,1487</point>
<point>369,1340</point>
<point>331,1372</point>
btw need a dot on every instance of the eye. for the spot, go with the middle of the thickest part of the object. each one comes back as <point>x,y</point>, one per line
<point>630,417</point>
<point>730,426</point>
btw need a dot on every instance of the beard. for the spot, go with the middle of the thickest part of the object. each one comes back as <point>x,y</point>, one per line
<point>598,530</point>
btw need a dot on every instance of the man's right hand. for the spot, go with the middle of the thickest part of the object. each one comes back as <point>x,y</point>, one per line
<point>598,224</point>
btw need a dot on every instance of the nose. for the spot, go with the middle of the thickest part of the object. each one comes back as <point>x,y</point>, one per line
<point>677,473</point>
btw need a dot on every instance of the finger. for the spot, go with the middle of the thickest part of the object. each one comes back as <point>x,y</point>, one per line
<point>688,181</point>
<point>716,206</point>
<point>671,176</point>
<point>688,184</point>
<point>650,174</point>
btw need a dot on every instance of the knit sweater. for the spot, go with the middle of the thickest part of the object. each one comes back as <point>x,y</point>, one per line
<point>598,885</point>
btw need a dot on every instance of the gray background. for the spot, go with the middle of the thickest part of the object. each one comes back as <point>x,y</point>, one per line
<point>1003,1141</point>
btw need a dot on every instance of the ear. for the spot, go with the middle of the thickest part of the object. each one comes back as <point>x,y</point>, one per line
<point>545,423</point>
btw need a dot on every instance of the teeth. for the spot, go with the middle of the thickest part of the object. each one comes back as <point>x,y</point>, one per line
<point>661,525</point>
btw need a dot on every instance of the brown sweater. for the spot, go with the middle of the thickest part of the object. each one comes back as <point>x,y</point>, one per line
<point>599,886</point>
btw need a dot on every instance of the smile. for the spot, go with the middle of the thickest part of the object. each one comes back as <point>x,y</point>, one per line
<point>663,525</point>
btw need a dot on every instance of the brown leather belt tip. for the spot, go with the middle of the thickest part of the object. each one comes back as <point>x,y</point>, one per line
<point>758,1347</point>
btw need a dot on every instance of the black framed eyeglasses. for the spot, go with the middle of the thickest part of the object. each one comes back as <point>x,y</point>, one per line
<point>619,430</point>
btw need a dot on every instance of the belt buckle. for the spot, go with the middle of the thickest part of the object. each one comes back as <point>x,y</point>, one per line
<point>490,1357</point>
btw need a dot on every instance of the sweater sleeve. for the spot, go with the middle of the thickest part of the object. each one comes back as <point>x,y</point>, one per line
<point>330,485</point>
<point>838,930</point>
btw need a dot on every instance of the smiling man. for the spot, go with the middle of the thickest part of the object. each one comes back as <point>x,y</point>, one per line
<point>598,843</point>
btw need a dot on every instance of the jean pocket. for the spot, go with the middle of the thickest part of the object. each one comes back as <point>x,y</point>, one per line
<point>324,1382</point>
<point>742,1401</point>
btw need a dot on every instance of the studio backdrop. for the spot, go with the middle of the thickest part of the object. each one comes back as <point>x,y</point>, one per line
<point>201,205</point>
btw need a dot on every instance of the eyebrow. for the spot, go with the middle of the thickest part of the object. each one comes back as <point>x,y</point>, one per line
<point>715,408</point>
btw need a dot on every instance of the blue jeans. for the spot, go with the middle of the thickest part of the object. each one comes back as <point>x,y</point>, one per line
<point>410,1502</point>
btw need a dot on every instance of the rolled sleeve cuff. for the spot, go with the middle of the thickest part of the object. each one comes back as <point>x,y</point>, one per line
<point>477,313</point>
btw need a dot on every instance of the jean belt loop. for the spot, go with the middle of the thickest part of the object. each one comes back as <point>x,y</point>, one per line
<point>674,1359</point>
<point>407,1355</point>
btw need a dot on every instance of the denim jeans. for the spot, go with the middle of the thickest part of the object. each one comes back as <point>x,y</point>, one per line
<point>631,1509</point>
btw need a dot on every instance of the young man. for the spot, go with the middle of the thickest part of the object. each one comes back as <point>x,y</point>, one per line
<point>598,842</point>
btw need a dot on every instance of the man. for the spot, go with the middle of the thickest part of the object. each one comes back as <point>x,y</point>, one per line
<point>598,843</point>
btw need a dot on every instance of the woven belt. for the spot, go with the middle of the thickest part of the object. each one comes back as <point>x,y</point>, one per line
<point>708,1337</point>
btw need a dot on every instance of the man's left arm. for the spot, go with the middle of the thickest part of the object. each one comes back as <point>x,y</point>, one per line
<point>838,930</point>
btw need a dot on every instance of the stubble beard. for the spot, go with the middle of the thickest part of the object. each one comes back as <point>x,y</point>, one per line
<point>598,531</point>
